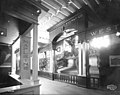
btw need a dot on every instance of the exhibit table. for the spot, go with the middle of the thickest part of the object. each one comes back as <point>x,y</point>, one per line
<point>27,87</point>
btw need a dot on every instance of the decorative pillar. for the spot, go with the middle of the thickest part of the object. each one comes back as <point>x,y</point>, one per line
<point>25,57</point>
<point>35,54</point>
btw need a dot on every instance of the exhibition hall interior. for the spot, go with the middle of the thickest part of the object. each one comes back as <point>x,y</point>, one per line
<point>74,42</point>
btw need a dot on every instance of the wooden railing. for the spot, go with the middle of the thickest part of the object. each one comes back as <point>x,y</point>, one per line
<point>91,82</point>
<point>72,79</point>
<point>94,82</point>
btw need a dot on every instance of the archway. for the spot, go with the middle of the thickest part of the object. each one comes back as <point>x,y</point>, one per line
<point>66,52</point>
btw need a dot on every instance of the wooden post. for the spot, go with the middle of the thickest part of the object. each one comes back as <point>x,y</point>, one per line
<point>84,59</point>
<point>54,58</point>
<point>79,58</point>
<point>87,66</point>
<point>13,60</point>
<point>35,54</point>
<point>86,50</point>
<point>51,61</point>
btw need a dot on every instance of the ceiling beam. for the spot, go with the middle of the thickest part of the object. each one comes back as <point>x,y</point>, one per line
<point>56,6</point>
<point>97,1</point>
<point>81,2</point>
<point>77,4</point>
<point>65,5</point>
<point>91,4</point>
<point>77,13</point>
<point>38,5</point>
<point>21,16</point>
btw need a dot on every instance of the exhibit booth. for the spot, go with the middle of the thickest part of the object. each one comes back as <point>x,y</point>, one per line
<point>17,19</point>
<point>84,52</point>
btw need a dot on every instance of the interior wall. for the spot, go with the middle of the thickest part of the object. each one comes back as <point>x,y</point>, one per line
<point>5,55</point>
<point>5,59</point>
<point>110,74</point>
<point>11,25</point>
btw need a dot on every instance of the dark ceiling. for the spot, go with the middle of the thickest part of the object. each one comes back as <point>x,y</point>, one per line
<point>11,28</point>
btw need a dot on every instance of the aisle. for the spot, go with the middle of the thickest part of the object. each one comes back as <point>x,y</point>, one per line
<point>55,87</point>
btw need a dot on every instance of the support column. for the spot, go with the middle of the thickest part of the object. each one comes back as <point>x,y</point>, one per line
<point>35,54</point>
<point>13,60</point>
<point>25,57</point>
<point>54,58</point>
<point>84,59</point>
<point>88,83</point>
<point>87,60</point>
<point>79,58</point>
<point>51,61</point>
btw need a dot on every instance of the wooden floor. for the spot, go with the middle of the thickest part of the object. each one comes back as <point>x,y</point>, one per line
<point>58,88</point>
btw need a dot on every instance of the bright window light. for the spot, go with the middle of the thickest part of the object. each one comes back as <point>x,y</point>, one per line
<point>118,34</point>
<point>100,42</point>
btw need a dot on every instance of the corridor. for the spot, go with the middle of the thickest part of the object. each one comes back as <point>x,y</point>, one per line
<point>59,88</point>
